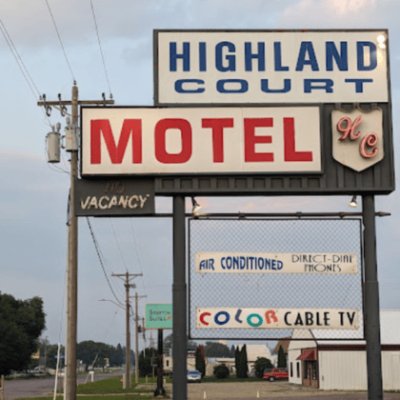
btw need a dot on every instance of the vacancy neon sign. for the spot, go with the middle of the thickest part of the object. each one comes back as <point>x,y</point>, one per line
<point>200,140</point>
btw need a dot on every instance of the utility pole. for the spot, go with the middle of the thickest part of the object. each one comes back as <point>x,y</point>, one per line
<point>72,268</point>
<point>137,337</point>
<point>128,277</point>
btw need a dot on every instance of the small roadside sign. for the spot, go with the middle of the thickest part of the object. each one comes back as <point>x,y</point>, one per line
<point>158,316</point>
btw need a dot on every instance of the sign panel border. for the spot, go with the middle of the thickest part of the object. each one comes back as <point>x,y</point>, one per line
<point>156,33</point>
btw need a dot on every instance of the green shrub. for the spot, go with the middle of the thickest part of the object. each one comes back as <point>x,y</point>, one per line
<point>260,365</point>
<point>221,371</point>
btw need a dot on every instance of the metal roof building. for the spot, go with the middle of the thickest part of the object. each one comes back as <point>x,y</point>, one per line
<point>341,364</point>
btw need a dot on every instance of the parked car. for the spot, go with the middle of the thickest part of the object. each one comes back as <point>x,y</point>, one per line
<point>194,376</point>
<point>270,374</point>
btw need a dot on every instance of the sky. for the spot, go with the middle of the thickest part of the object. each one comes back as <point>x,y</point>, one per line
<point>34,194</point>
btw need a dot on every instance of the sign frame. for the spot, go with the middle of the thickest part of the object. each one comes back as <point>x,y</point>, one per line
<point>190,271</point>
<point>334,178</point>
<point>156,41</point>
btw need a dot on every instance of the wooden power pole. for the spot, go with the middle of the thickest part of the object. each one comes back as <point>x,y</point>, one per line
<point>128,277</point>
<point>72,268</point>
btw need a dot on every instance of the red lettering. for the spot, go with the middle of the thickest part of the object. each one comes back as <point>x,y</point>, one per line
<point>160,141</point>
<point>369,140</point>
<point>217,125</point>
<point>202,320</point>
<point>250,139</point>
<point>270,314</point>
<point>349,127</point>
<point>290,143</point>
<point>116,152</point>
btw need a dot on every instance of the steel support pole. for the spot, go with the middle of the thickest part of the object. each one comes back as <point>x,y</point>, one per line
<point>128,337</point>
<point>179,339</point>
<point>72,273</point>
<point>160,391</point>
<point>371,295</point>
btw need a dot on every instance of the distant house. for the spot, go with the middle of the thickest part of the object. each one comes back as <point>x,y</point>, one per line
<point>255,351</point>
<point>284,342</point>
<point>342,365</point>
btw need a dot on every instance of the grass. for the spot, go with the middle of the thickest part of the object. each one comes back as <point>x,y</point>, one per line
<point>126,397</point>
<point>114,385</point>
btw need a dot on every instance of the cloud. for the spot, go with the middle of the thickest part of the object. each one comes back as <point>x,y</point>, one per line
<point>347,14</point>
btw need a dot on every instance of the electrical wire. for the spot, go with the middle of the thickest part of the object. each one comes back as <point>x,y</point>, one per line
<point>24,70</point>
<point>18,59</point>
<point>101,49</point>
<point>96,245</point>
<point>137,254</point>
<point>104,340</point>
<point>119,248</point>
<point>60,40</point>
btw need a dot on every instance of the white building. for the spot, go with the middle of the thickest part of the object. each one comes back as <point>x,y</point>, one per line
<point>342,365</point>
<point>258,350</point>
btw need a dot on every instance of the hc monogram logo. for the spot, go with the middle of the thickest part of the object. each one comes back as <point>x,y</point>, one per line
<point>357,138</point>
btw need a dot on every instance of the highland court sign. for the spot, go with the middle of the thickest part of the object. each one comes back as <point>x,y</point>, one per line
<point>253,113</point>
<point>271,66</point>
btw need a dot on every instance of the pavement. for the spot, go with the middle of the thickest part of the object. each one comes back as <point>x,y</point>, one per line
<point>270,390</point>
<point>21,388</point>
<point>200,391</point>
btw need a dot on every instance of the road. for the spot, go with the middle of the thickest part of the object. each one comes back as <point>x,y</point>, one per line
<point>270,391</point>
<point>20,388</point>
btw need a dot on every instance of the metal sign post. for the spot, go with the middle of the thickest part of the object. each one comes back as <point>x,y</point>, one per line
<point>179,300</point>
<point>371,293</point>
<point>2,387</point>
<point>160,391</point>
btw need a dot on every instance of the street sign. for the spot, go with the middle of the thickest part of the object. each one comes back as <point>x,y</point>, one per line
<point>111,198</point>
<point>158,316</point>
<point>304,66</point>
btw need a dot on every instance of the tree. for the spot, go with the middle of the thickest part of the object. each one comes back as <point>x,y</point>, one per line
<point>95,353</point>
<point>221,371</point>
<point>242,367</point>
<point>237,366</point>
<point>281,358</point>
<point>215,349</point>
<point>21,324</point>
<point>260,365</point>
<point>118,358</point>
<point>200,361</point>
<point>145,362</point>
<point>245,361</point>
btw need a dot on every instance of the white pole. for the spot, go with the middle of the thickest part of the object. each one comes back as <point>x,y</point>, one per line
<point>56,381</point>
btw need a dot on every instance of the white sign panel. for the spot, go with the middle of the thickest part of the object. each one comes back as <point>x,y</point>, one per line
<point>271,67</point>
<point>127,141</point>
<point>276,318</point>
<point>357,138</point>
<point>270,263</point>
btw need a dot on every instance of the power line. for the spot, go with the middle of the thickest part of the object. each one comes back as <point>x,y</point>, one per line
<point>101,50</point>
<point>28,78</point>
<point>18,59</point>
<point>96,245</point>
<point>60,40</point>
<point>137,252</point>
<point>119,248</point>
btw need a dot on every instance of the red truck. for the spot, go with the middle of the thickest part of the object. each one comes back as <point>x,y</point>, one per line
<point>270,374</point>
